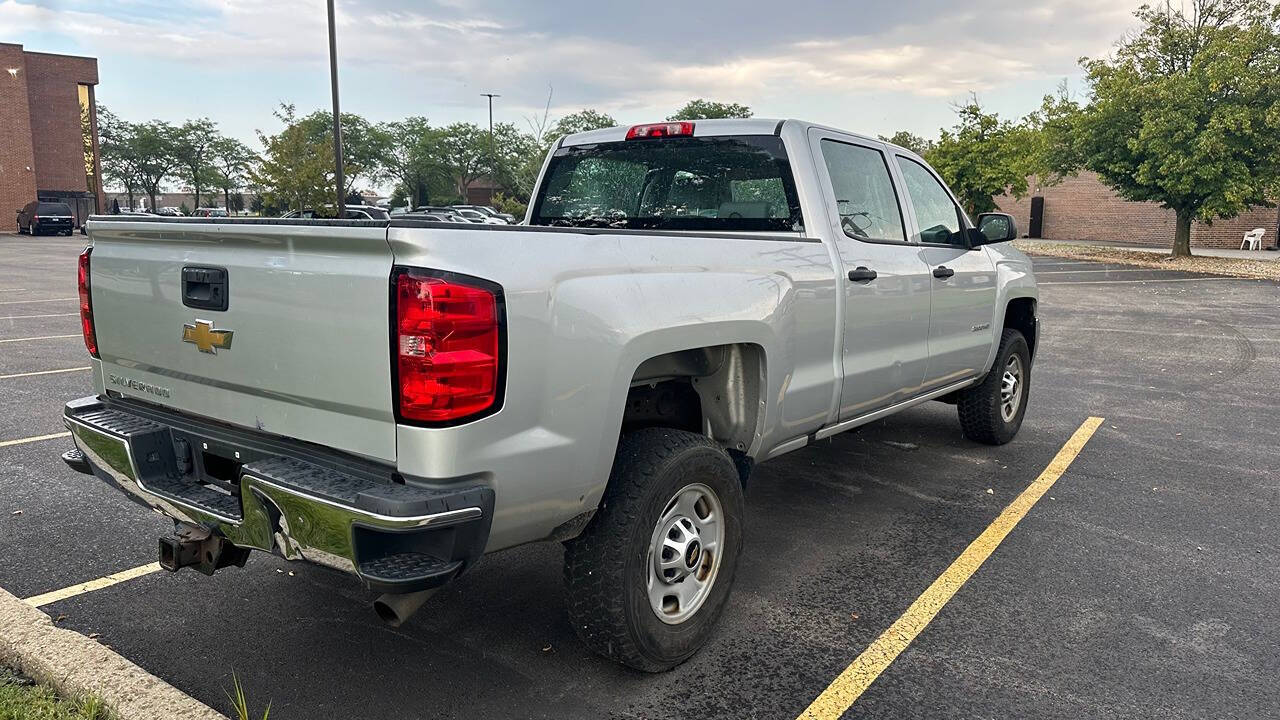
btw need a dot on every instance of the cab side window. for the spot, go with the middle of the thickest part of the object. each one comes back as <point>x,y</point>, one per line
<point>937,216</point>
<point>865,198</point>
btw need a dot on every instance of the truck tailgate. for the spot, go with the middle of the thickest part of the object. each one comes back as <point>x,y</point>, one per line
<point>302,349</point>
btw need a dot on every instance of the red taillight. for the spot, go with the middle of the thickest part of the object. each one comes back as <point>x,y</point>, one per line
<point>86,304</point>
<point>660,130</point>
<point>447,347</point>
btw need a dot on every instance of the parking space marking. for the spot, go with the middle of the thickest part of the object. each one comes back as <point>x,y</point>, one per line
<point>12,289</point>
<point>24,302</point>
<point>21,317</point>
<point>37,438</point>
<point>43,372</point>
<point>850,684</point>
<point>41,337</point>
<point>92,585</point>
<point>1114,282</point>
<point>1105,270</point>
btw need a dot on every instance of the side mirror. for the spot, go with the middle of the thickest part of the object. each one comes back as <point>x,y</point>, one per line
<point>996,228</point>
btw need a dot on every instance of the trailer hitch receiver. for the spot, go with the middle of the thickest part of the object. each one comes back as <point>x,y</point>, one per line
<point>197,547</point>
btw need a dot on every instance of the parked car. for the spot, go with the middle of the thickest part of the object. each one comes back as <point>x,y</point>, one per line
<point>476,216</point>
<point>41,218</point>
<point>353,212</point>
<point>207,212</point>
<point>485,209</point>
<point>689,299</point>
<point>170,212</point>
<point>441,210</point>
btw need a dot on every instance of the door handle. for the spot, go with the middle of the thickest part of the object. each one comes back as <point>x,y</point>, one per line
<point>862,274</point>
<point>944,272</point>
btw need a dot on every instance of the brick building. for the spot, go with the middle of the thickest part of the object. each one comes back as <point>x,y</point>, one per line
<point>48,131</point>
<point>1082,208</point>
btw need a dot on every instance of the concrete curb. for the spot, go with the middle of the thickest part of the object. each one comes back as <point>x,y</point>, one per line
<point>76,665</point>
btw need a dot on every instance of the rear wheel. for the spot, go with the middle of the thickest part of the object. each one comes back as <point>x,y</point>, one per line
<point>650,575</point>
<point>991,412</point>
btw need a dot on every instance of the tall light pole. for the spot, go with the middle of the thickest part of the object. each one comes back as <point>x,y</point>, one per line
<point>491,96</point>
<point>337,118</point>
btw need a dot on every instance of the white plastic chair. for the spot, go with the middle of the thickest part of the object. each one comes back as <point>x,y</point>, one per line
<point>1253,239</point>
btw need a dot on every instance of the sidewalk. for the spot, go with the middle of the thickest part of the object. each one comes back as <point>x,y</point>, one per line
<point>1200,251</point>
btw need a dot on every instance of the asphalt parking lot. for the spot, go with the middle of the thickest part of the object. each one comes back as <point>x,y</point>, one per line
<point>1142,584</point>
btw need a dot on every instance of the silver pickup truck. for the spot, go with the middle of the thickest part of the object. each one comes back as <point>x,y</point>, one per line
<point>683,300</point>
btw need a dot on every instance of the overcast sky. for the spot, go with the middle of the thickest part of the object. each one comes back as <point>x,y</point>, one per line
<point>868,67</point>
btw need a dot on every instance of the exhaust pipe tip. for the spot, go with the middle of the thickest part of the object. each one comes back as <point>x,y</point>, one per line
<point>395,609</point>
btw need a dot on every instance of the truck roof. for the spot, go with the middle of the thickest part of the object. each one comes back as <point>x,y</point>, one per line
<point>706,128</point>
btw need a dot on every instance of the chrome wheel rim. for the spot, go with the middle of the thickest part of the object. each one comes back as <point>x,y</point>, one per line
<point>1011,388</point>
<point>684,553</point>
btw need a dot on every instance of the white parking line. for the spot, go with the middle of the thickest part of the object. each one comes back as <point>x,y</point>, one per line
<point>24,302</point>
<point>37,438</point>
<point>1104,270</point>
<point>41,337</point>
<point>12,289</point>
<point>43,372</point>
<point>23,317</point>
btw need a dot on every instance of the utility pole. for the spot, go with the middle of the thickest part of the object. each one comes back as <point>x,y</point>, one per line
<point>337,118</point>
<point>491,96</point>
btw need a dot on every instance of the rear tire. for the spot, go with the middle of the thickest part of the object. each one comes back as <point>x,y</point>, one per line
<point>651,573</point>
<point>991,412</point>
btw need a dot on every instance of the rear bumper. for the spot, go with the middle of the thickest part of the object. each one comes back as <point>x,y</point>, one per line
<point>281,496</point>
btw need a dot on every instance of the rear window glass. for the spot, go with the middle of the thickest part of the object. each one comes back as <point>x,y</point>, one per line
<point>739,183</point>
<point>54,209</point>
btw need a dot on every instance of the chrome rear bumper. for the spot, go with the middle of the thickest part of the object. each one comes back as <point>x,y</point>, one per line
<point>396,537</point>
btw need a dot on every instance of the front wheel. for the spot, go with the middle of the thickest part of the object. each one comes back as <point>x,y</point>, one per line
<point>650,575</point>
<point>991,411</point>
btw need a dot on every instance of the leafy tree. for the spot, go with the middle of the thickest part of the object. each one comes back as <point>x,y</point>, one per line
<point>1186,113</point>
<point>509,205</point>
<point>508,159</point>
<point>915,143</point>
<point>363,144</point>
<point>582,121</point>
<point>116,150</point>
<point>296,170</point>
<point>409,160</point>
<point>708,109</point>
<point>182,208</point>
<point>982,157</point>
<point>235,203</point>
<point>231,161</point>
<point>462,151</point>
<point>155,151</point>
<point>193,148</point>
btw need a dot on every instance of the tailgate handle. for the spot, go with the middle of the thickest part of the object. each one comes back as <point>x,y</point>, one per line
<point>204,288</point>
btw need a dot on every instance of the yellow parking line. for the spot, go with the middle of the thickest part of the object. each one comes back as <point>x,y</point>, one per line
<point>41,337</point>
<point>24,302</point>
<point>850,684</point>
<point>43,372</point>
<point>86,587</point>
<point>37,438</point>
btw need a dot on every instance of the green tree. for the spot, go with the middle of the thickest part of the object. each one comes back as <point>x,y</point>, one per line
<point>193,148</point>
<point>363,144</point>
<point>230,161</point>
<point>462,151</point>
<point>296,170</point>
<point>115,150</point>
<point>581,121</point>
<point>409,160</point>
<point>983,156</point>
<point>155,150</point>
<point>508,159</point>
<point>915,143</point>
<point>708,109</point>
<point>1186,113</point>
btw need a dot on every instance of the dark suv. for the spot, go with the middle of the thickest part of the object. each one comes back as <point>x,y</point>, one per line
<point>39,218</point>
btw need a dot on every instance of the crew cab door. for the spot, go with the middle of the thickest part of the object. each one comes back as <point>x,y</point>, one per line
<point>885,295</point>
<point>962,280</point>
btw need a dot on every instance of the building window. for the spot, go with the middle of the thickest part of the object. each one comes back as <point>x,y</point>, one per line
<point>86,134</point>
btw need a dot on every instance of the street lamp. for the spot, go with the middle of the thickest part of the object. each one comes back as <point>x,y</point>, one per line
<point>337,117</point>
<point>491,96</point>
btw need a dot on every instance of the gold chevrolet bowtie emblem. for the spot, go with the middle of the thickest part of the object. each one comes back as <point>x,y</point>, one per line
<point>204,337</point>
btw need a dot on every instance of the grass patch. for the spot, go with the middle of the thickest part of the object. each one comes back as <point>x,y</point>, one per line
<point>23,699</point>
<point>1264,269</point>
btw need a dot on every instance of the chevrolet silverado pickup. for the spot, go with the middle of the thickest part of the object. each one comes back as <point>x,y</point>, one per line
<point>396,398</point>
